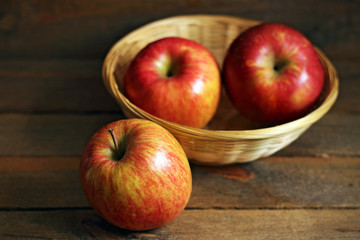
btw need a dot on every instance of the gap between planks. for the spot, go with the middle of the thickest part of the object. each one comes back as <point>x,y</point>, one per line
<point>47,209</point>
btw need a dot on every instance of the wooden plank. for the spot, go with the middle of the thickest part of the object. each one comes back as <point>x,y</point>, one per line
<point>34,29</point>
<point>348,101</point>
<point>191,224</point>
<point>327,138</point>
<point>40,182</point>
<point>279,182</point>
<point>67,135</point>
<point>49,134</point>
<point>67,85</point>
<point>54,86</point>
<point>273,183</point>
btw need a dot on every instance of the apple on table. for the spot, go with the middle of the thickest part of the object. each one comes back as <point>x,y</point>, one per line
<point>273,74</point>
<point>175,79</point>
<point>135,174</point>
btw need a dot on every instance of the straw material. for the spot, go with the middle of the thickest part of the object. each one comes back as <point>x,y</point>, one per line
<point>228,138</point>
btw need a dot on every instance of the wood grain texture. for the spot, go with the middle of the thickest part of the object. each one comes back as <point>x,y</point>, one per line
<point>272,183</point>
<point>49,134</point>
<point>278,182</point>
<point>40,29</point>
<point>191,224</point>
<point>54,86</point>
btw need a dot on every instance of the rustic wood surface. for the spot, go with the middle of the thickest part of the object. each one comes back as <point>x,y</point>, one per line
<point>53,100</point>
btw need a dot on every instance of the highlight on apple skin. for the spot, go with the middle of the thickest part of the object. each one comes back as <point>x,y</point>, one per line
<point>273,74</point>
<point>135,174</point>
<point>175,79</point>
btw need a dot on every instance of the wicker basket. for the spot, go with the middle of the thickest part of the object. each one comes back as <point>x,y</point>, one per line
<point>228,138</point>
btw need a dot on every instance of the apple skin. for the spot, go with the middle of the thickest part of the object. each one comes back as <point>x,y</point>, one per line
<point>175,79</point>
<point>147,187</point>
<point>272,74</point>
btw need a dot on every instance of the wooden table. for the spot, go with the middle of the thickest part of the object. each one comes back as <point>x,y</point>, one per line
<point>53,100</point>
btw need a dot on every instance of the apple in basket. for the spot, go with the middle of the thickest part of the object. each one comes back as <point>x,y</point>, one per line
<point>272,73</point>
<point>135,174</point>
<point>175,79</point>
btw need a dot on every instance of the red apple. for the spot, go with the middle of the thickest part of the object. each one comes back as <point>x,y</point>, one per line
<point>272,73</point>
<point>175,79</point>
<point>135,174</point>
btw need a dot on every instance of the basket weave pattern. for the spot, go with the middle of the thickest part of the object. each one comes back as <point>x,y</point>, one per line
<point>211,146</point>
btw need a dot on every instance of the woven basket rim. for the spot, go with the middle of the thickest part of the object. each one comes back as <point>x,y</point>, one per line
<point>267,132</point>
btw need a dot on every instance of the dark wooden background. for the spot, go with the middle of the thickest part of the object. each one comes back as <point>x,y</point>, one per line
<point>53,99</point>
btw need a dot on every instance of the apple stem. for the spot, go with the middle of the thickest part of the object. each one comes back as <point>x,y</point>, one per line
<point>111,131</point>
